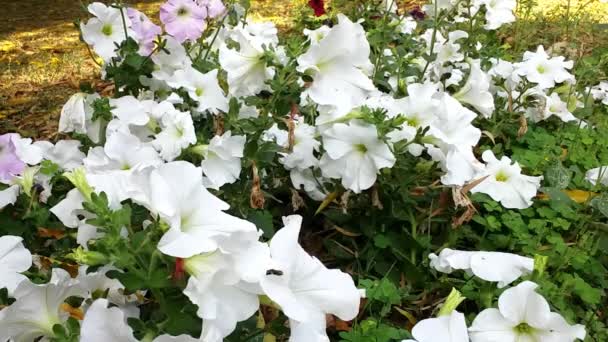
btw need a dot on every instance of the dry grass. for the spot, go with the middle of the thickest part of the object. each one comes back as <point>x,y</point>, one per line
<point>42,60</point>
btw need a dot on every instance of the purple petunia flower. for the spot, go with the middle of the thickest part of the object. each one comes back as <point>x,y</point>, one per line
<point>10,164</point>
<point>215,8</point>
<point>145,30</point>
<point>183,19</point>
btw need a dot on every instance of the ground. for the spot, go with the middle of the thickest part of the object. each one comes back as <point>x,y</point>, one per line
<point>42,60</point>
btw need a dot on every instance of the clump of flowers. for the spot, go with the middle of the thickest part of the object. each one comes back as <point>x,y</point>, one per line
<point>240,185</point>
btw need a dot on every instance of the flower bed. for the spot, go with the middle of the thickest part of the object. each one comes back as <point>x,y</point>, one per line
<point>233,184</point>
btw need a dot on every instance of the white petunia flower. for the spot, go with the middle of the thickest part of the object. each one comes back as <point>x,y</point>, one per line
<point>109,169</point>
<point>302,154</point>
<point>339,65</point>
<point>9,195</point>
<point>354,153</point>
<point>77,114</point>
<point>68,209</point>
<point>458,163</point>
<point>203,88</point>
<point>503,268</point>
<point>222,159</point>
<point>506,184</point>
<point>170,59</point>
<point>220,286</point>
<point>175,192</point>
<point>552,106</point>
<point>131,111</point>
<point>177,133</point>
<point>453,123</point>
<point>476,91</point>
<point>14,259</point>
<point>65,153</point>
<point>315,36</point>
<point>102,323</point>
<point>446,328</point>
<point>105,30</point>
<point>36,310</point>
<point>599,174</point>
<point>305,179</point>
<point>498,12</point>
<point>537,67</point>
<point>405,24</point>
<point>303,287</point>
<point>247,71</point>
<point>600,92</point>
<point>523,315</point>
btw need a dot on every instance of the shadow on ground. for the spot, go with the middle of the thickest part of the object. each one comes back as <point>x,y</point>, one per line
<point>42,62</point>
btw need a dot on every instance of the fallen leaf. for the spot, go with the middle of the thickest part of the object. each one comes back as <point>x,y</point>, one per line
<point>51,233</point>
<point>328,199</point>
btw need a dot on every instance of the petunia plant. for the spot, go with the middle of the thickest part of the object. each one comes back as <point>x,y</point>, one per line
<point>373,174</point>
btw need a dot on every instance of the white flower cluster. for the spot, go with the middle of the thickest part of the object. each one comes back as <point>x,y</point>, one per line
<point>522,314</point>
<point>141,145</point>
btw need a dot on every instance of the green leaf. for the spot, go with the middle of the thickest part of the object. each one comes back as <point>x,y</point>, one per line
<point>263,220</point>
<point>558,176</point>
<point>600,203</point>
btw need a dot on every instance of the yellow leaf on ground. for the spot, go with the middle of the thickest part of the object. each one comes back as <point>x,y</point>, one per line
<point>578,196</point>
<point>407,315</point>
<point>328,199</point>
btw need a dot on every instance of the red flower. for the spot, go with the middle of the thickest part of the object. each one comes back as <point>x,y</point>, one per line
<point>318,6</point>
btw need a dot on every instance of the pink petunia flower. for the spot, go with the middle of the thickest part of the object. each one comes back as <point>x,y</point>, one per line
<point>10,164</point>
<point>215,8</point>
<point>183,19</point>
<point>145,30</point>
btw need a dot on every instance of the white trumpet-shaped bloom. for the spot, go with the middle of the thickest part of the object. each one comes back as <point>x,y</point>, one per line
<point>339,65</point>
<point>303,287</point>
<point>523,315</point>
<point>503,268</point>
<point>102,323</point>
<point>354,153</point>
<point>506,184</point>
<point>77,116</point>
<point>539,68</point>
<point>196,219</point>
<point>446,328</point>
<point>246,68</point>
<point>597,175</point>
<point>476,90</point>
<point>222,159</point>
<point>106,29</point>
<point>177,133</point>
<point>203,88</point>
<point>220,285</point>
<point>498,12</point>
<point>36,310</point>
<point>14,259</point>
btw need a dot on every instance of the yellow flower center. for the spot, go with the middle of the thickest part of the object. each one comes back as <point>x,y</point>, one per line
<point>361,148</point>
<point>501,176</point>
<point>107,29</point>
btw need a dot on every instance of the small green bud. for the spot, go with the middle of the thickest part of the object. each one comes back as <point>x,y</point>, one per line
<point>451,303</point>
<point>200,150</point>
<point>26,180</point>
<point>540,264</point>
<point>91,258</point>
<point>78,178</point>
